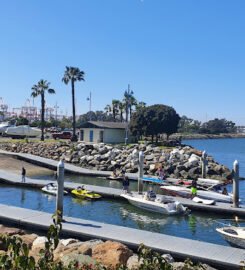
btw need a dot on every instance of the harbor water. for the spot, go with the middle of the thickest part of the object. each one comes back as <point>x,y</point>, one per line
<point>197,226</point>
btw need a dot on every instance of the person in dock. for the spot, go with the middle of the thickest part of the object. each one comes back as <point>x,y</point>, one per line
<point>225,192</point>
<point>161,174</point>
<point>125,183</point>
<point>193,188</point>
<point>23,173</point>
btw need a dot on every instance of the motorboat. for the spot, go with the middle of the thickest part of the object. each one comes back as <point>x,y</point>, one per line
<point>233,235</point>
<point>83,193</point>
<point>22,131</point>
<point>4,126</point>
<point>151,202</point>
<point>204,194</point>
<point>52,189</point>
<point>117,178</point>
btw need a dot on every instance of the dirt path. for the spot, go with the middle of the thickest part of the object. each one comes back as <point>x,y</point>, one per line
<point>14,165</point>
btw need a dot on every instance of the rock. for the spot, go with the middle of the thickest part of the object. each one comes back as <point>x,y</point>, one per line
<point>10,231</point>
<point>111,254</point>
<point>80,259</point>
<point>133,262</point>
<point>28,239</point>
<point>66,242</point>
<point>168,258</point>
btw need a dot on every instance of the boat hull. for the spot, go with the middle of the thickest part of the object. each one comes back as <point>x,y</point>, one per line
<point>168,208</point>
<point>234,240</point>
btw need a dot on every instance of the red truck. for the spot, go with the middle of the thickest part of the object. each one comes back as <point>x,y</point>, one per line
<point>62,135</point>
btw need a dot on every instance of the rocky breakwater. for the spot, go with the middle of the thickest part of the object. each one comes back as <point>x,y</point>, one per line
<point>96,254</point>
<point>180,162</point>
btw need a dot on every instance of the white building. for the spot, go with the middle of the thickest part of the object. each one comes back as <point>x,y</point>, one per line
<point>106,132</point>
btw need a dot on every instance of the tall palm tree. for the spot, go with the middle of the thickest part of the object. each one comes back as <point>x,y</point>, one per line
<point>107,109</point>
<point>115,104</point>
<point>39,89</point>
<point>127,99</point>
<point>132,102</point>
<point>73,74</point>
<point>121,107</point>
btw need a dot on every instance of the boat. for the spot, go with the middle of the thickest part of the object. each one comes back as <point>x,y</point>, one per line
<point>83,193</point>
<point>235,236</point>
<point>19,132</point>
<point>3,127</point>
<point>117,178</point>
<point>151,202</point>
<point>204,194</point>
<point>52,189</point>
<point>153,180</point>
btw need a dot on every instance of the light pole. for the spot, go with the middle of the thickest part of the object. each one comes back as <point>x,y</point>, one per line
<point>56,107</point>
<point>90,104</point>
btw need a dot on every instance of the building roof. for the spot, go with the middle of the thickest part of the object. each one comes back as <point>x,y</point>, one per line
<point>100,124</point>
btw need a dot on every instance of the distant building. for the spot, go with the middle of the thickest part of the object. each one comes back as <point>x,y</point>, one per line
<point>106,132</point>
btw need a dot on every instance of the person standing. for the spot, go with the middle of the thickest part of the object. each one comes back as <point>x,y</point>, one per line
<point>161,174</point>
<point>23,173</point>
<point>193,188</point>
<point>125,183</point>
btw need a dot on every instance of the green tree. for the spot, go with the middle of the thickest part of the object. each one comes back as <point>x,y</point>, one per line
<point>154,120</point>
<point>39,89</point>
<point>115,108</point>
<point>188,125</point>
<point>121,107</point>
<point>21,121</point>
<point>217,126</point>
<point>73,74</point>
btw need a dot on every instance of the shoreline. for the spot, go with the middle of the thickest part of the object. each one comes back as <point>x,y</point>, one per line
<point>208,136</point>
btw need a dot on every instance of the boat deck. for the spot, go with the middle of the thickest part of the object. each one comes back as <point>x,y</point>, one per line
<point>222,257</point>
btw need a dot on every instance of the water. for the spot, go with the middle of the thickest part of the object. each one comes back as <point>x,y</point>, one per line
<point>224,151</point>
<point>118,212</point>
<point>198,226</point>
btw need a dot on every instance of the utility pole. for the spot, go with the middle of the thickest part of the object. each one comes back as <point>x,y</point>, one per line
<point>56,107</point>
<point>90,105</point>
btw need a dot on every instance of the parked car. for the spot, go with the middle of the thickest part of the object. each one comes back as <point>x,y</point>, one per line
<point>62,135</point>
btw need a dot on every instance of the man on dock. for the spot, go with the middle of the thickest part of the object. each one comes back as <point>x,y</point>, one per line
<point>23,173</point>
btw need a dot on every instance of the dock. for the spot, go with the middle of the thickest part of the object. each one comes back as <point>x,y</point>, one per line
<point>106,192</point>
<point>222,257</point>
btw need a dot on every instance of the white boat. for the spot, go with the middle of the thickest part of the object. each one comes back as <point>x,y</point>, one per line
<point>4,126</point>
<point>204,194</point>
<point>233,235</point>
<point>163,204</point>
<point>22,131</point>
<point>52,189</point>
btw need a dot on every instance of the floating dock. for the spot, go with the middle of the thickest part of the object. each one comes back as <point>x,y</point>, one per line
<point>222,257</point>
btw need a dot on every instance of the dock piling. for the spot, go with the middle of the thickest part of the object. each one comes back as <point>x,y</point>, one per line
<point>140,172</point>
<point>204,164</point>
<point>235,184</point>
<point>60,179</point>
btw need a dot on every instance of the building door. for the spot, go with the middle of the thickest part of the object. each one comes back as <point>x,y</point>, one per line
<point>81,135</point>
<point>91,135</point>
<point>101,136</point>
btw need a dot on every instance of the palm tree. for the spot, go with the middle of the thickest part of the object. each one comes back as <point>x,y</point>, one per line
<point>132,102</point>
<point>73,74</point>
<point>39,89</point>
<point>121,107</point>
<point>140,105</point>
<point>127,99</point>
<point>107,109</point>
<point>115,104</point>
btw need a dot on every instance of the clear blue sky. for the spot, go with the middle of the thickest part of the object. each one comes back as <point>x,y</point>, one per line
<point>187,54</point>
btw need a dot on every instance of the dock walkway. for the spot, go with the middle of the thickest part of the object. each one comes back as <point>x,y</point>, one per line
<point>219,208</point>
<point>222,257</point>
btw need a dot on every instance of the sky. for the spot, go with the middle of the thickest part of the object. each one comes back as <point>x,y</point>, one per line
<point>186,54</point>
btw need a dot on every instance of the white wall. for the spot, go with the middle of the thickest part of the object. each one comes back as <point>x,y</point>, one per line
<point>110,135</point>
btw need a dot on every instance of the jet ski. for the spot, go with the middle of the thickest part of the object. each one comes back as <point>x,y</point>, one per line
<point>83,193</point>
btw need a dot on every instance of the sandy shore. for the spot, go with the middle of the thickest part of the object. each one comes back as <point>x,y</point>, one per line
<point>14,165</point>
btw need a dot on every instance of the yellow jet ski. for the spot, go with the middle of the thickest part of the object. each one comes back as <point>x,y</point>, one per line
<point>83,193</point>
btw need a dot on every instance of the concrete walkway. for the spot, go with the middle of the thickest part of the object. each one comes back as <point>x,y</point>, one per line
<point>180,248</point>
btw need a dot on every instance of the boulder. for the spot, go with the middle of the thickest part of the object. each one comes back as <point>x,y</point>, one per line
<point>10,231</point>
<point>111,254</point>
<point>77,259</point>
